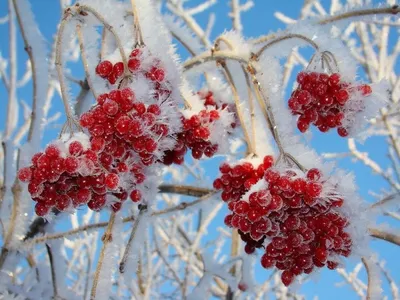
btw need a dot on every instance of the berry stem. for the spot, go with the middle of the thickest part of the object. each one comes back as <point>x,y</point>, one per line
<point>107,238</point>
<point>264,102</point>
<point>84,59</point>
<point>138,31</point>
<point>124,259</point>
<point>229,79</point>
<point>395,9</point>
<point>282,38</point>
<point>103,43</point>
<point>85,8</point>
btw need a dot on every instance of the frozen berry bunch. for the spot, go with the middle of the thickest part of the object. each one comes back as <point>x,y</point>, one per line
<point>301,222</point>
<point>323,100</point>
<point>68,175</point>
<point>114,72</point>
<point>120,122</point>
<point>195,136</point>
<point>209,99</point>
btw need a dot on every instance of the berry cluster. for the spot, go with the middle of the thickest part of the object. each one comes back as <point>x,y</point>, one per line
<point>126,135</point>
<point>120,122</point>
<point>321,99</point>
<point>301,224</point>
<point>69,175</point>
<point>195,136</point>
<point>208,99</point>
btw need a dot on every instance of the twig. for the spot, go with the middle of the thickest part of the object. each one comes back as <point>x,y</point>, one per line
<point>184,190</point>
<point>12,94</point>
<point>235,16</point>
<point>384,201</point>
<point>53,273</point>
<point>184,205</point>
<point>84,59</point>
<point>28,49</point>
<point>387,236</point>
<point>282,38</point>
<point>236,99</point>
<point>207,56</point>
<point>138,31</point>
<point>131,237</point>
<point>65,234</point>
<point>395,9</point>
<point>103,43</point>
<point>16,191</point>
<point>370,282</point>
<point>107,238</point>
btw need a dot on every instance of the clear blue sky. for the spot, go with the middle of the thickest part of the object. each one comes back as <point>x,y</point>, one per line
<point>257,21</point>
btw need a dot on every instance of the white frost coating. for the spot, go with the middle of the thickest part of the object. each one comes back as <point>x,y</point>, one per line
<point>179,29</point>
<point>355,120</point>
<point>111,257</point>
<point>239,45</point>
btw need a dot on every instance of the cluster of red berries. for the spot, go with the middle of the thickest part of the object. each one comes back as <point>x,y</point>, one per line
<point>113,72</point>
<point>194,136</point>
<point>320,99</point>
<point>126,124</point>
<point>125,136</point>
<point>64,179</point>
<point>209,100</point>
<point>303,229</point>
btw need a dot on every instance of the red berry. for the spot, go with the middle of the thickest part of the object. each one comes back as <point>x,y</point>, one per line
<point>75,148</point>
<point>267,261</point>
<point>321,254</point>
<point>118,69</point>
<point>133,64</point>
<point>313,189</point>
<point>314,174</point>
<point>342,132</point>
<point>25,174</point>
<point>112,181</point>
<point>52,151</point>
<point>287,277</point>
<point>110,107</point>
<point>135,196</point>
<point>41,209</point>
<point>104,68</point>
<point>71,164</point>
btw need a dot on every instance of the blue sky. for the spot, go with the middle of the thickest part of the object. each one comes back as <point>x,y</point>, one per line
<point>257,21</point>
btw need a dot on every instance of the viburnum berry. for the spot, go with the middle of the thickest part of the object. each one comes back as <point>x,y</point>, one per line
<point>104,68</point>
<point>25,174</point>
